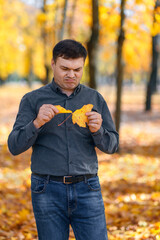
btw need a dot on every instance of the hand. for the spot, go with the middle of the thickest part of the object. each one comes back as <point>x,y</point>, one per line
<point>45,114</point>
<point>95,121</point>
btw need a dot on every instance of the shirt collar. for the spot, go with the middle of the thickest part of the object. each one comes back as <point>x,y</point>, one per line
<point>56,88</point>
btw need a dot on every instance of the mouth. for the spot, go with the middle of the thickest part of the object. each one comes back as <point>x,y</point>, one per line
<point>70,80</point>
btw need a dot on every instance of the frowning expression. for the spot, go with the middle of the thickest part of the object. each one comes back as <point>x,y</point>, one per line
<point>68,73</point>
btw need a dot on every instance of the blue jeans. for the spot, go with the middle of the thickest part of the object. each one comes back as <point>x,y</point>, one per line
<point>57,205</point>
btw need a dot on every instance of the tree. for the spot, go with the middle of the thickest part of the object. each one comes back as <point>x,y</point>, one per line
<point>119,66</point>
<point>71,19</point>
<point>92,44</point>
<point>45,43</point>
<point>15,29</point>
<point>152,83</point>
<point>61,33</point>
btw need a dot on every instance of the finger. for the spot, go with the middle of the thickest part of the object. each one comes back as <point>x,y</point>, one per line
<point>94,118</point>
<point>50,106</point>
<point>46,118</point>
<point>50,113</point>
<point>91,113</point>
<point>51,109</point>
<point>45,106</point>
<point>54,109</point>
<point>96,121</point>
<point>95,125</point>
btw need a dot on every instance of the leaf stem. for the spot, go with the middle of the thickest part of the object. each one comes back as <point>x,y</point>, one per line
<point>64,120</point>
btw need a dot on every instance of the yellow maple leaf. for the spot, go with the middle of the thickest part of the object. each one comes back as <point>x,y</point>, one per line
<point>23,214</point>
<point>62,110</point>
<point>79,116</point>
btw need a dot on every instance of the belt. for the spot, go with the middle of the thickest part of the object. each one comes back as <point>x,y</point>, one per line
<point>67,179</point>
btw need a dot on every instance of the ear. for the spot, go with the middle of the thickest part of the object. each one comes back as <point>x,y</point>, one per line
<point>52,64</point>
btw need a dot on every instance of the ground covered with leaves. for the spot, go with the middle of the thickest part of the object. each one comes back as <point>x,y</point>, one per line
<point>130,179</point>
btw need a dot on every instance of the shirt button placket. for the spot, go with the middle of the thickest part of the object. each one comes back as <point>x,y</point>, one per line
<point>68,138</point>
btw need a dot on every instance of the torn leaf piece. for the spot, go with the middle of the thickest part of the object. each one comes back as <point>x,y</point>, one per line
<point>79,116</point>
<point>62,110</point>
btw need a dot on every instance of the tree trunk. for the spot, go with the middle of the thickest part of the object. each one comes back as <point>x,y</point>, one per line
<point>1,81</point>
<point>45,43</point>
<point>56,33</point>
<point>152,84</point>
<point>92,45</point>
<point>61,34</point>
<point>30,77</point>
<point>71,19</point>
<point>119,67</point>
<point>47,70</point>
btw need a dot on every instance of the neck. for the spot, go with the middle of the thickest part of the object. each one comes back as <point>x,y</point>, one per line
<point>67,92</point>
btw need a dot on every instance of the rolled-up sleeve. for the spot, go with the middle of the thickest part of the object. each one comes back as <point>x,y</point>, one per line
<point>24,133</point>
<point>106,138</point>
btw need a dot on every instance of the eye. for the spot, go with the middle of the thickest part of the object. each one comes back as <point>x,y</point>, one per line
<point>77,70</point>
<point>65,69</point>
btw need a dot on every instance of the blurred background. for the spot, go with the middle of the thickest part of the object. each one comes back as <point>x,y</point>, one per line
<point>122,38</point>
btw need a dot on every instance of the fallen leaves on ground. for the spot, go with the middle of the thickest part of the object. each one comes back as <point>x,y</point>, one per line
<point>130,182</point>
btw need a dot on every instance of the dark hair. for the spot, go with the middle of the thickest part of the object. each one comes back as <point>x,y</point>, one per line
<point>69,48</point>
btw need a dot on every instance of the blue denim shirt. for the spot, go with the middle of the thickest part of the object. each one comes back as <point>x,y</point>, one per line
<point>67,149</point>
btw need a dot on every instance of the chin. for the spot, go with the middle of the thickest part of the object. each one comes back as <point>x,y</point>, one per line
<point>71,85</point>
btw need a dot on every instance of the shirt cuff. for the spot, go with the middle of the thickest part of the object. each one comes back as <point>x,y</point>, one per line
<point>31,130</point>
<point>99,132</point>
<point>97,136</point>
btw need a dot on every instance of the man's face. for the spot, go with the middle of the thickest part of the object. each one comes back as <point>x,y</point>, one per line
<point>68,73</point>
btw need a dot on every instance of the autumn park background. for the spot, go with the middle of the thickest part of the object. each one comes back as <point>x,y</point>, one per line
<point>123,42</point>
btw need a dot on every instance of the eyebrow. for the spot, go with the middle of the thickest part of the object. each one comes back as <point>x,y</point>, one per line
<point>71,68</point>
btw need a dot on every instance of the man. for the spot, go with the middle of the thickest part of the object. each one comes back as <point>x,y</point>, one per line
<point>64,183</point>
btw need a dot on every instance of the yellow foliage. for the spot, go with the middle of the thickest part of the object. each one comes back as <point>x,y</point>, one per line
<point>139,1</point>
<point>146,2</point>
<point>104,12</point>
<point>135,50</point>
<point>157,17</point>
<point>38,60</point>
<point>13,40</point>
<point>156,29</point>
<point>158,10</point>
<point>41,18</point>
<point>23,214</point>
<point>23,31</point>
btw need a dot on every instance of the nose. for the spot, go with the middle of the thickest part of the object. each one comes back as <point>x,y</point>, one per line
<point>71,73</point>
